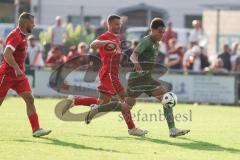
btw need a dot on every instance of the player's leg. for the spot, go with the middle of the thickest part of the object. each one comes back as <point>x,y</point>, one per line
<point>126,113</point>
<point>5,85</point>
<point>104,105</point>
<point>23,89</point>
<point>103,98</point>
<point>134,131</point>
<point>1,100</point>
<point>30,107</point>
<point>86,101</point>
<point>158,92</point>
<point>72,101</point>
<point>124,107</point>
<point>107,89</point>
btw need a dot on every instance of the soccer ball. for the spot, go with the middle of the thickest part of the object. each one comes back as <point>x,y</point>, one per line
<point>169,99</point>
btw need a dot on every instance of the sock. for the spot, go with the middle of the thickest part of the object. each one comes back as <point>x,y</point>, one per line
<point>113,106</point>
<point>128,119</point>
<point>85,101</point>
<point>168,113</point>
<point>33,119</point>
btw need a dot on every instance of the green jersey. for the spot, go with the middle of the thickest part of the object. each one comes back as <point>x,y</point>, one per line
<point>147,50</point>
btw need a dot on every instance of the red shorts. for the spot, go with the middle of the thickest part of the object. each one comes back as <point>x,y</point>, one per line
<point>19,85</point>
<point>110,85</point>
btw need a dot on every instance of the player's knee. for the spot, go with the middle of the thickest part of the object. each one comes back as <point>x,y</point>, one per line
<point>29,99</point>
<point>126,108</point>
<point>131,102</point>
<point>103,101</point>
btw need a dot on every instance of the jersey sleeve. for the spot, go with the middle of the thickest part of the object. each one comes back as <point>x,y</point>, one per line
<point>12,42</point>
<point>141,47</point>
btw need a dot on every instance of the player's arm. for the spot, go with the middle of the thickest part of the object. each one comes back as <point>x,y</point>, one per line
<point>8,56</point>
<point>134,59</point>
<point>96,44</point>
<point>140,49</point>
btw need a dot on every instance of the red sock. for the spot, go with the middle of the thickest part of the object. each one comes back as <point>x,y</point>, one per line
<point>85,101</point>
<point>128,119</point>
<point>33,119</point>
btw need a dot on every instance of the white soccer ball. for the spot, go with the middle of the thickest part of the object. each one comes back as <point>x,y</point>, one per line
<point>169,99</point>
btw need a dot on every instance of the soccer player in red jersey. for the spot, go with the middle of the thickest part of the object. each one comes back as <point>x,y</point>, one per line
<point>12,69</point>
<point>109,46</point>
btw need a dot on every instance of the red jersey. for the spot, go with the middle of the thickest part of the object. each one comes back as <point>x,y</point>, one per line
<point>110,59</point>
<point>108,75</point>
<point>16,40</point>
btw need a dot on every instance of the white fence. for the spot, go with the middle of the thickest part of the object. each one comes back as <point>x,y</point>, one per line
<point>220,89</point>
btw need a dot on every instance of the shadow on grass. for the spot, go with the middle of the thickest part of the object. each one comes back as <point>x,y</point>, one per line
<point>57,142</point>
<point>189,144</point>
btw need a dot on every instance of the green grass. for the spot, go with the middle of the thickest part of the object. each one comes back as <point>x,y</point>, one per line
<point>215,135</point>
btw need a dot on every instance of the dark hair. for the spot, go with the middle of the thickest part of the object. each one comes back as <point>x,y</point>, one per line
<point>157,23</point>
<point>112,17</point>
<point>25,16</point>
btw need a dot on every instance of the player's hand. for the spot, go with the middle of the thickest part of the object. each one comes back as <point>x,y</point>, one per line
<point>18,72</point>
<point>138,68</point>
<point>108,42</point>
<point>109,45</point>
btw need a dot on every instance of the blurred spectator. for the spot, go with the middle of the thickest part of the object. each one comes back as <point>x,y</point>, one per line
<point>198,60</point>
<point>59,34</point>
<point>162,53</point>
<point>237,67</point>
<point>234,55</point>
<point>197,35</point>
<point>216,67</point>
<point>204,58</point>
<point>34,53</point>
<point>72,52</point>
<point>195,61</point>
<point>1,49</point>
<point>187,56</point>
<point>55,58</point>
<point>123,31</point>
<point>174,55</point>
<point>226,57</point>
<point>125,59</point>
<point>103,28</point>
<point>78,57</point>
<point>89,27</point>
<point>81,50</point>
<point>169,34</point>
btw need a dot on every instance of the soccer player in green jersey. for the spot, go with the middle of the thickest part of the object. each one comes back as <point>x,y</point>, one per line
<point>141,80</point>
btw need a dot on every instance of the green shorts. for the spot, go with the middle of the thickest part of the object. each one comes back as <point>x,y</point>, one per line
<point>144,84</point>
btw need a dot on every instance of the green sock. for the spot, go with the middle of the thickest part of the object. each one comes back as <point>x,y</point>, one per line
<point>113,106</point>
<point>168,113</point>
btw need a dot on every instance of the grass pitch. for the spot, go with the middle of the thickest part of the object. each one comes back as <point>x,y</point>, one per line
<point>215,134</point>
